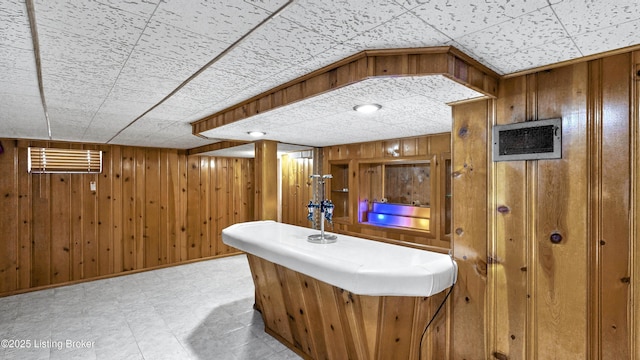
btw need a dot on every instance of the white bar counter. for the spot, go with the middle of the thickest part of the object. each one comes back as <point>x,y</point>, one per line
<point>360,266</point>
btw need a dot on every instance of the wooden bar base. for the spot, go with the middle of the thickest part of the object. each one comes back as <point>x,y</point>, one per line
<point>320,321</point>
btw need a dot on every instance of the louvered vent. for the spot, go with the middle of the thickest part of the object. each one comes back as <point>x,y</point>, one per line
<point>51,160</point>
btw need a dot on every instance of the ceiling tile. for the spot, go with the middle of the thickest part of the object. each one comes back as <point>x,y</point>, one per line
<point>178,44</point>
<point>151,90</point>
<point>217,19</point>
<point>613,37</point>
<point>104,126</point>
<point>580,16</point>
<point>269,5</point>
<point>558,50</point>
<point>404,31</point>
<point>250,64</point>
<point>141,65</point>
<point>71,56</point>
<point>69,88</point>
<point>458,18</point>
<point>144,8</point>
<point>440,88</point>
<point>533,29</point>
<point>322,59</point>
<point>17,59</point>
<point>170,112</point>
<point>288,42</point>
<point>126,108</point>
<point>84,103</point>
<point>341,19</point>
<point>154,132</point>
<point>91,19</point>
<point>22,117</point>
<point>14,25</point>
<point>19,82</point>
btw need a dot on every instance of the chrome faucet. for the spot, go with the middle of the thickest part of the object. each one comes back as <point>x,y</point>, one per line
<point>326,212</point>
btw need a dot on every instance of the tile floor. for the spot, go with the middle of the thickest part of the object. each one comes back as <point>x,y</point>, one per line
<point>202,310</point>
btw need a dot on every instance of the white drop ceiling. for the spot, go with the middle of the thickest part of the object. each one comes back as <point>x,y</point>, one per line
<point>107,65</point>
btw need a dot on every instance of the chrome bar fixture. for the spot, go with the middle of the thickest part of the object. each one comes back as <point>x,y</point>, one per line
<point>325,207</point>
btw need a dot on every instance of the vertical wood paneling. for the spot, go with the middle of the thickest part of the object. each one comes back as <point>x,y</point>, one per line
<point>77,228</point>
<point>25,221</point>
<point>560,288</point>
<point>193,212</point>
<point>614,201</point>
<point>320,321</point>
<point>266,175</point>
<point>89,222</point>
<point>469,156</point>
<point>570,297</point>
<point>41,232</point>
<point>152,191</point>
<point>205,203</point>
<point>117,204</point>
<point>296,190</point>
<point>9,196</point>
<point>509,268</point>
<point>105,215</point>
<point>634,210</point>
<point>128,208</point>
<point>166,228</point>
<point>58,230</point>
<point>222,189</point>
<point>216,208</point>
<point>395,337</point>
<point>140,208</point>
<point>183,205</point>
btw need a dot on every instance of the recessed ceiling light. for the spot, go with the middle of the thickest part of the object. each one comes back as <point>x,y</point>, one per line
<point>257,133</point>
<point>367,108</point>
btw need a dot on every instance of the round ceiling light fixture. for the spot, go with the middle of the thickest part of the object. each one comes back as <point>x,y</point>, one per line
<point>257,133</point>
<point>367,108</point>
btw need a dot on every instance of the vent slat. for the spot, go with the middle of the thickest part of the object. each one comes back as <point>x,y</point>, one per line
<point>54,160</point>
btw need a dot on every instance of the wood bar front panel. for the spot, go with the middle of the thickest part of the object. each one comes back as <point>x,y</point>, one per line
<point>320,321</point>
<point>152,207</point>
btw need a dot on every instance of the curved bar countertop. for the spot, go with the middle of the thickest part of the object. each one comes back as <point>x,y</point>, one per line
<point>363,267</point>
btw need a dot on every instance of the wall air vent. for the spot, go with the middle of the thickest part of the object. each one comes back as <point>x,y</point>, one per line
<point>531,140</point>
<point>52,161</point>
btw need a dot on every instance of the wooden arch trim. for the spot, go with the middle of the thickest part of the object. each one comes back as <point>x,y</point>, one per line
<point>446,60</point>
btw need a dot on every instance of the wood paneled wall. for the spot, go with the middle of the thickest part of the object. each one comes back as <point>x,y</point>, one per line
<point>434,148</point>
<point>152,207</point>
<point>297,189</point>
<point>545,257</point>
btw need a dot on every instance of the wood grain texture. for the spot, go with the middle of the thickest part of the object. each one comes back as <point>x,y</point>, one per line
<point>469,243</point>
<point>266,184</point>
<point>319,321</point>
<point>296,189</point>
<point>570,298</point>
<point>146,209</point>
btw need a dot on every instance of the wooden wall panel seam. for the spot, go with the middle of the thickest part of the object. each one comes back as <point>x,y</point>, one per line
<point>634,264</point>
<point>594,194</point>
